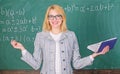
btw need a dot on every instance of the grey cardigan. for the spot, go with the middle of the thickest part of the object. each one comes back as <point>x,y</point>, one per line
<point>44,52</point>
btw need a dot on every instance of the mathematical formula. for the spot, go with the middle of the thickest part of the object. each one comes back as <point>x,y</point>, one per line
<point>11,13</point>
<point>89,8</point>
<point>23,38</point>
<point>16,21</point>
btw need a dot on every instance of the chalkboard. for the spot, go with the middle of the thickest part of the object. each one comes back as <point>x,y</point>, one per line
<point>91,20</point>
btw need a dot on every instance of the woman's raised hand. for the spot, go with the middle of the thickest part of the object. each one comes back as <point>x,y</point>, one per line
<point>17,45</point>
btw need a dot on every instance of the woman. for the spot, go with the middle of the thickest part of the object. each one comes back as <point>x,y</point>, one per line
<point>56,47</point>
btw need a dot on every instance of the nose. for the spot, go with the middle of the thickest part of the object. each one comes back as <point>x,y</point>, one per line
<point>54,18</point>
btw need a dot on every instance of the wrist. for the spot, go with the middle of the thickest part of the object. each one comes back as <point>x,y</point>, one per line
<point>91,57</point>
<point>22,49</point>
<point>94,55</point>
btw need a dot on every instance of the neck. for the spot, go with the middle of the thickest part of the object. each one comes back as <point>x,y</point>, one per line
<point>56,31</point>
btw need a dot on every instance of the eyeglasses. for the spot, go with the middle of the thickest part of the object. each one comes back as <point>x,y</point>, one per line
<point>57,17</point>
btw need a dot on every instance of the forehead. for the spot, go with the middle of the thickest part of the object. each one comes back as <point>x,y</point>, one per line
<point>53,12</point>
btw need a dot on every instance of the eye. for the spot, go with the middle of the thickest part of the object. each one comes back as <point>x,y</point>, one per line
<point>49,16</point>
<point>59,16</point>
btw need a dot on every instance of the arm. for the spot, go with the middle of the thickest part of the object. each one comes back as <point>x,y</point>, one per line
<point>79,62</point>
<point>33,60</point>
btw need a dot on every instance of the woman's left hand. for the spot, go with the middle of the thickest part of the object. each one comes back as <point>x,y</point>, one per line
<point>104,51</point>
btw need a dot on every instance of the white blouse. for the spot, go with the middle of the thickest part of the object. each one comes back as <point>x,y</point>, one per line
<point>56,37</point>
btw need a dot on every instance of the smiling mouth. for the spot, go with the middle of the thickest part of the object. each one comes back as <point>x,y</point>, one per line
<point>55,23</point>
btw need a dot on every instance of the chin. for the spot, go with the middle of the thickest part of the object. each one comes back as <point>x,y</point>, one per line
<point>55,26</point>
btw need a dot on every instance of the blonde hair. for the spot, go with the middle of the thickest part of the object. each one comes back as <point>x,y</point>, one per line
<point>46,24</point>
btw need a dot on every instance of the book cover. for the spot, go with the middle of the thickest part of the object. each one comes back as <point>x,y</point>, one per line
<point>98,47</point>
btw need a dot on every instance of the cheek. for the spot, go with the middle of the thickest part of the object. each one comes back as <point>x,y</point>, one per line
<point>60,22</point>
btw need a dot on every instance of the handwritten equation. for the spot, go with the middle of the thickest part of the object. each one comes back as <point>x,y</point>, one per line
<point>21,38</point>
<point>17,22</point>
<point>89,8</point>
<point>12,13</point>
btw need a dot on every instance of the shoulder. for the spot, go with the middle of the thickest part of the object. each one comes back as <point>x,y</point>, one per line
<point>70,33</point>
<point>42,34</point>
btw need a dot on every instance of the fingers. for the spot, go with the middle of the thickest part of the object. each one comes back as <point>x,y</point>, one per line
<point>105,50</point>
<point>13,42</point>
<point>17,45</point>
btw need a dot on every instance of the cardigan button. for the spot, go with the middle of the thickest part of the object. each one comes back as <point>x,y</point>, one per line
<point>61,42</point>
<point>62,51</point>
<point>63,59</point>
<point>64,68</point>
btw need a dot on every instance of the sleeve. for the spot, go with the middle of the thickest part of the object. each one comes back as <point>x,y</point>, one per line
<point>34,60</point>
<point>23,52</point>
<point>77,61</point>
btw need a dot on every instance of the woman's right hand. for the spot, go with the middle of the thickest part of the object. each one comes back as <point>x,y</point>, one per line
<point>17,45</point>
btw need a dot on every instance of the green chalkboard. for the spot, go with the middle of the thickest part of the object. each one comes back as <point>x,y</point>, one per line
<point>91,20</point>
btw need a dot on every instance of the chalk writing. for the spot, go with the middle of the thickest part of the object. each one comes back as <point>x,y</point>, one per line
<point>11,13</point>
<point>15,29</point>
<point>15,21</point>
<point>19,21</point>
<point>89,8</point>
<point>35,29</point>
<point>23,38</point>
